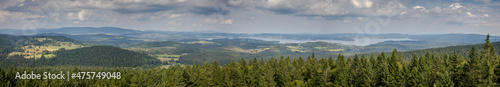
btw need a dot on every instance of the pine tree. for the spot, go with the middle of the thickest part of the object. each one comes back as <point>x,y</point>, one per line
<point>445,80</point>
<point>381,58</point>
<point>489,62</point>
<point>474,73</point>
<point>367,73</point>
<point>473,60</point>
<point>355,71</point>
<point>385,78</point>
<point>341,76</point>
<point>415,78</point>
<point>488,52</point>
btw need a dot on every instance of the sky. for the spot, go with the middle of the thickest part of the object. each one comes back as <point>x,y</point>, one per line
<point>260,16</point>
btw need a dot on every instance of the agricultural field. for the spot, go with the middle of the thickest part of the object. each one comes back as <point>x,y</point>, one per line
<point>251,51</point>
<point>168,58</point>
<point>330,49</point>
<point>50,45</point>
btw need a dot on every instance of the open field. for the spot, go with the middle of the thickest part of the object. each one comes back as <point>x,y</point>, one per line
<point>251,51</point>
<point>168,56</point>
<point>34,51</point>
<point>331,49</point>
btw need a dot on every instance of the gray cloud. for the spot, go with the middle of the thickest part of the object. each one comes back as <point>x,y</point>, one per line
<point>283,11</point>
<point>145,9</point>
<point>455,23</point>
<point>231,13</point>
<point>209,11</point>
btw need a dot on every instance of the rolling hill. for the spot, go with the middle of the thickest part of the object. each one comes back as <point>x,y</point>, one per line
<point>462,50</point>
<point>103,56</point>
<point>61,50</point>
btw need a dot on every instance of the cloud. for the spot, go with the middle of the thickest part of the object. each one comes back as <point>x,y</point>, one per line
<point>174,15</point>
<point>2,16</point>
<point>362,3</point>
<point>174,22</point>
<point>209,11</point>
<point>211,21</point>
<point>81,14</point>
<point>9,3</point>
<point>221,21</point>
<point>392,9</point>
<point>225,12</point>
<point>485,1</point>
<point>308,7</point>
<point>228,21</point>
<point>455,23</point>
<point>470,14</point>
<point>130,9</point>
<point>323,9</point>
<point>456,6</point>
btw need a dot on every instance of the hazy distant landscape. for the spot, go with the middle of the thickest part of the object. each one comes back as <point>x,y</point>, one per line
<point>198,47</point>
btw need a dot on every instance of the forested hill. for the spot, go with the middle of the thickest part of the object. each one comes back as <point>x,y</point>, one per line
<point>34,46</point>
<point>103,56</point>
<point>462,50</point>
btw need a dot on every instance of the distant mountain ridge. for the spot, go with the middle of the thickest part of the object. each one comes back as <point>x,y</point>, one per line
<point>122,37</point>
<point>71,30</point>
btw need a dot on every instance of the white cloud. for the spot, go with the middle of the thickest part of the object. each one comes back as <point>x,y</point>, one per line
<point>211,21</point>
<point>392,9</point>
<point>274,2</point>
<point>456,6</point>
<point>359,18</point>
<point>485,1</point>
<point>362,3</point>
<point>418,7</point>
<point>470,14</point>
<point>175,15</point>
<point>2,16</point>
<point>228,21</point>
<point>81,14</point>
<point>174,22</point>
<point>199,11</point>
<point>8,3</point>
<point>221,21</point>
<point>319,18</point>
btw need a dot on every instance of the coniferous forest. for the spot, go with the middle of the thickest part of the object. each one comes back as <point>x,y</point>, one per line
<point>475,68</point>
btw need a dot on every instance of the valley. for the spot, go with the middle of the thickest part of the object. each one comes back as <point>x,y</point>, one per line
<point>280,59</point>
<point>198,47</point>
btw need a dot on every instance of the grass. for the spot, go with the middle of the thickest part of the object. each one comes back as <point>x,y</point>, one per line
<point>32,51</point>
<point>42,39</point>
<point>167,59</point>
<point>331,49</point>
<point>251,51</point>
<point>49,56</point>
<point>295,48</point>
<point>321,48</point>
<point>201,42</point>
<point>168,56</point>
